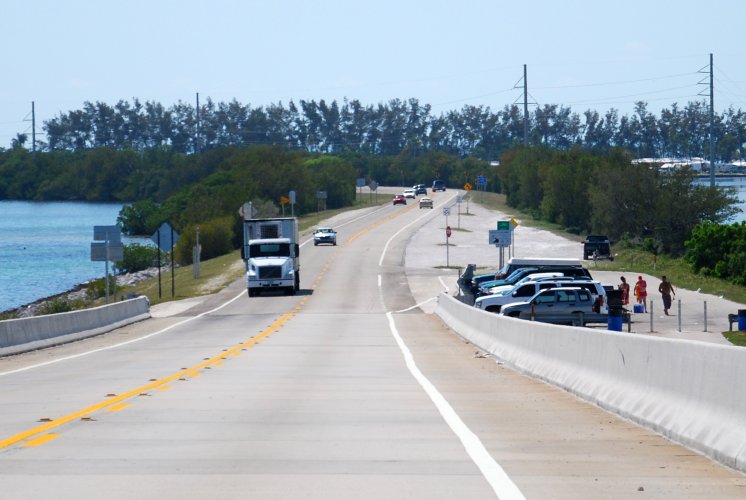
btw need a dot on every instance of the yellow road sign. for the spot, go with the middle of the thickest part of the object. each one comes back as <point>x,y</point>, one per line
<point>284,200</point>
<point>467,186</point>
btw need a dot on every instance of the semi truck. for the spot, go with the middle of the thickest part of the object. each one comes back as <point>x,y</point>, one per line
<point>272,255</point>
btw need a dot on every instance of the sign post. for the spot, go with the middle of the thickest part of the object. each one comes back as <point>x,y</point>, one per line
<point>165,238</point>
<point>111,249</point>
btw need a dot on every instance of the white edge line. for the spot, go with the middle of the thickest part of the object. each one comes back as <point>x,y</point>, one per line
<point>501,484</point>
<point>386,246</point>
<point>67,358</point>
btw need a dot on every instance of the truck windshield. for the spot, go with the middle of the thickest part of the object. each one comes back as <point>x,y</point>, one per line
<point>270,250</point>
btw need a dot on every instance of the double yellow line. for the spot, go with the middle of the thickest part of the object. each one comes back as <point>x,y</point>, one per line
<point>115,402</point>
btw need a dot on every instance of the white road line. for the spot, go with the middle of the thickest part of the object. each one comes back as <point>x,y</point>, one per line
<point>386,247</point>
<point>501,484</point>
<point>79,355</point>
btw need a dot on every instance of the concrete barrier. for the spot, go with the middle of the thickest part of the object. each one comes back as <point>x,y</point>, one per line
<point>691,392</point>
<point>28,334</point>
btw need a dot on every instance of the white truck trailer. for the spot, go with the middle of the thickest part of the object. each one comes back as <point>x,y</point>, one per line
<point>272,255</point>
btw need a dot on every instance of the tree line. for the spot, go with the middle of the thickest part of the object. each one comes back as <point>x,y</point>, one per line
<point>390,128</point>
<point>609,194</point>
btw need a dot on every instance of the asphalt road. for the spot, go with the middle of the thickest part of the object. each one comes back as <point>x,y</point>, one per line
<point>351,389</point>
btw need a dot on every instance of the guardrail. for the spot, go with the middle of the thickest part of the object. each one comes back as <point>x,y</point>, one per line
<point>686,390</point>
<point>28,334</point>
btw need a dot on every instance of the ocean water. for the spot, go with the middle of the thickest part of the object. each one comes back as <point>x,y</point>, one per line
<point>45,248</point>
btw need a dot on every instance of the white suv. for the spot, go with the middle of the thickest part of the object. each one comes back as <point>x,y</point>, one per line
<point>524,291</point>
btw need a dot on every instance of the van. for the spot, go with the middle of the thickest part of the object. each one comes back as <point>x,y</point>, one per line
<point>517,263</point>
<point>439,185</point>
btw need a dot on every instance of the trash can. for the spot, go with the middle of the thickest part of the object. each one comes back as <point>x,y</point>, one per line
<point>742,320</point>
<point>615,319</point>
<point>638,308</point>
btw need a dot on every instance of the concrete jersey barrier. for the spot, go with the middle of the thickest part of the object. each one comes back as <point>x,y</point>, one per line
<point>688,391</point>
<point>28,334</point>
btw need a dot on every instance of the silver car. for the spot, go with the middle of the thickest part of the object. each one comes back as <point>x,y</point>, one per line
<point>325,235</point>
<point>561,305</point>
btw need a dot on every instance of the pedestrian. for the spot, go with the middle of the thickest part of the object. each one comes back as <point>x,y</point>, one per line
<point>666,290</point>
<point>624,287</point>
<point>641,293</point>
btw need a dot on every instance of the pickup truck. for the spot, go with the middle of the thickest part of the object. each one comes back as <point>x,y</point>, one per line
<point>562,305</point>
<point>597,246</point>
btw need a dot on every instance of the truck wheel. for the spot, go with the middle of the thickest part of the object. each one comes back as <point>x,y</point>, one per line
<point>251,292</point>
<point>493,309</point>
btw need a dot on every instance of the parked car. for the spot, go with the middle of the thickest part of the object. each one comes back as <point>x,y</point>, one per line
<point>519,262</point>
<point>512,279</point>
<point>426,202</point>
<point>561,305</point>
<point>399,199</point>
<point>597,246</point>
<point>325,235</point>
<point>439,185</point>
<point>524,291</point>
<point>420,189</point>
<point>409,193</point>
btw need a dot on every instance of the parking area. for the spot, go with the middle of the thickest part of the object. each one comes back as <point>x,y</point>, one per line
<point>702,317</point>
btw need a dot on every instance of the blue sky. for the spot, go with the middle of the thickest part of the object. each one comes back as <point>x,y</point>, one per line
<point>583,54</point>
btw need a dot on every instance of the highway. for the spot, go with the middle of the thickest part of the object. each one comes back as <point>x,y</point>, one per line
<point>351,389</point>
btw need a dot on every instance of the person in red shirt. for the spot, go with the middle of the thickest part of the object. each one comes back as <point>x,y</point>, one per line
<point>641,293</point>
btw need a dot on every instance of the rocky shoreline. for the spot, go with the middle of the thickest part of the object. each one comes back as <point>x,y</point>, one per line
<point>79,292</point>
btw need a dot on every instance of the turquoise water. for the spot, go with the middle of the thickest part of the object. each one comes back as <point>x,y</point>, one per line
<point>45,247</point>
<point>737,182</point>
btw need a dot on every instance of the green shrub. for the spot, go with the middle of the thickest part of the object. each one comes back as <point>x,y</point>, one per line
<point>138,257</point>
<point>59,305</point>
<point>97,288</point>
<point>215,239</point>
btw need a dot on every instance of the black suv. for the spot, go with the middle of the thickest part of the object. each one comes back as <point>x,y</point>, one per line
<point>597,246</point>
<point>419,189</point>
<point>439,186</point>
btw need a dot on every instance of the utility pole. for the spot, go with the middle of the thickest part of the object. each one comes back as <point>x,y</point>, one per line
<point>712,127</point>
<point>33,128</point>
<point>196,139</point>
<point>525,106</point>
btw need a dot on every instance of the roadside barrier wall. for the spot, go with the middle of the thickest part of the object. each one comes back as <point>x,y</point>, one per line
<point>28,334</point>
<point>691,392</point>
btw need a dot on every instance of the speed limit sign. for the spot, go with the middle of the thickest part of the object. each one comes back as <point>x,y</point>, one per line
<point>446,211</point>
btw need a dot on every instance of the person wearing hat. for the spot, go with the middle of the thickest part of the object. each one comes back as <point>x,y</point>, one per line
<point>624,287</point>
<point>641,293</point>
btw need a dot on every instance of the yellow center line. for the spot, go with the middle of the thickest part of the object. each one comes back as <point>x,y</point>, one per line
<point>135,392</point>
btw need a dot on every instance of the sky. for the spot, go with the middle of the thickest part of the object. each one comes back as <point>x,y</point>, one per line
<point>580,54</point>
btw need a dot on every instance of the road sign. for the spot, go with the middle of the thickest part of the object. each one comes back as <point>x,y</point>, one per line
<point>493,237</point>
<point>247,210</point>
<point>360,182</point>
<point>373,185</point>
<point>481,181</point>
<point>502,237</point>
<point>446,211</point>
<point>321,195</point>
<point>163,237</point>
<point>99,252</point>
<point>291,195</point>
<point>107,233</point>
<point>284,200</point>
<point>448,231</point>
<point>459,199</point>
<point>467,186</point>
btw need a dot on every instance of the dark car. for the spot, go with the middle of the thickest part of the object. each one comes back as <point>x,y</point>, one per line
<point>420,189</point>
<point>597,246</point>
<point>399,199</point>
<point>439,185</point>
